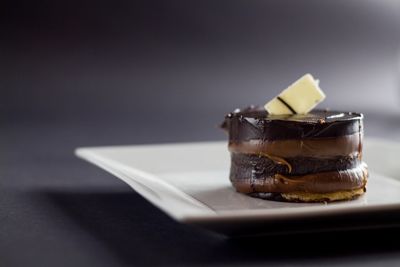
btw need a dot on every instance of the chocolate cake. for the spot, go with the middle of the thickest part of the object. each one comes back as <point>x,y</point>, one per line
<point>309,157</point>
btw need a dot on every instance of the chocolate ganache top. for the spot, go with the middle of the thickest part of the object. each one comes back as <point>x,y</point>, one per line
<point>254,122</point>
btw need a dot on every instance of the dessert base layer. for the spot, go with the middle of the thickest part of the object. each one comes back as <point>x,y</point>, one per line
<point>312,197</point>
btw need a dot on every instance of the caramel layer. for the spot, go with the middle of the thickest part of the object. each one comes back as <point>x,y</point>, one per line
<point>317,147</point>
<point>323,182</point>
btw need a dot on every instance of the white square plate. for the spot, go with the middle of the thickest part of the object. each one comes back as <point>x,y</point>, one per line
<point>189,182</point>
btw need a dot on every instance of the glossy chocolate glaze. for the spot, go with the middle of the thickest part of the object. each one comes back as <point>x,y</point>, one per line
<point>255,123</point>
<point>318,152</point>
<point>258,167</point>
<point>321,182</point>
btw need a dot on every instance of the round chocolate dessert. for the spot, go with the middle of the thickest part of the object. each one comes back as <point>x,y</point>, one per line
<point>313,157</point>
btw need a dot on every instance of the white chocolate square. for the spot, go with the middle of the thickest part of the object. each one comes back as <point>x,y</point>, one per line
<point>299,98</point>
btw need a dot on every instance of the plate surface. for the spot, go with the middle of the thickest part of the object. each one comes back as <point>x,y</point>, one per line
<point>189,182</point>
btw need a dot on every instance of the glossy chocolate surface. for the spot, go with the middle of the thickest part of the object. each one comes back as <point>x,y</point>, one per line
<point>321,182</point>
<point>259,167</point>
<point>319,152</point>
<point>255,123</point>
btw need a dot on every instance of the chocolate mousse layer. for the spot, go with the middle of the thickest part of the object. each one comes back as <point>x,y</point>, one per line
<point>319,152</point>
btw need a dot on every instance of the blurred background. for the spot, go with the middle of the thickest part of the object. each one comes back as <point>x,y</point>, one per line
<point>91,73</point>
<point>170,70</point>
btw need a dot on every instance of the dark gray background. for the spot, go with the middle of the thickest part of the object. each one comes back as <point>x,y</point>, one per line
<point>113,59</point>
<point>87,73</point>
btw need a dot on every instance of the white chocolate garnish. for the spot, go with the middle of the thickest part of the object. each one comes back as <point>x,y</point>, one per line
<point>299,98</point>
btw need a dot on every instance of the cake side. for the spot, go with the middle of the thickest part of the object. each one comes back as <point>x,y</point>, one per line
<point>317,153</point>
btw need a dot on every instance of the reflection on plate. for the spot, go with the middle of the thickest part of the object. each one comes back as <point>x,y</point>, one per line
<point>190,183</point>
